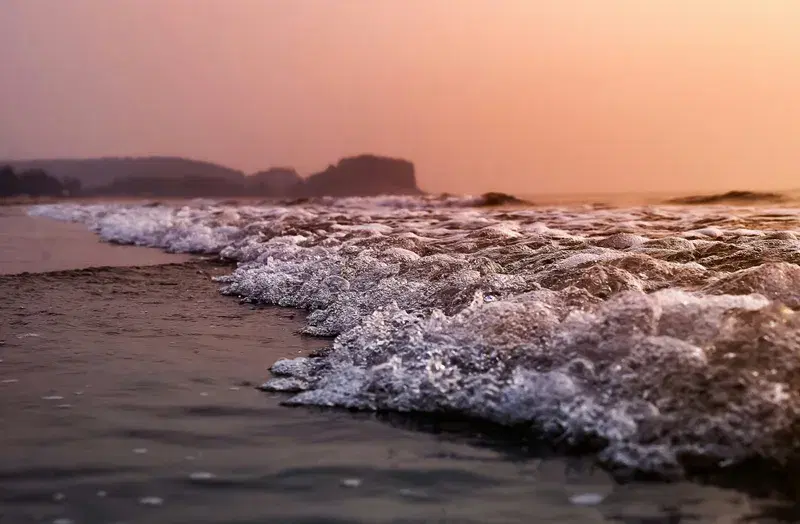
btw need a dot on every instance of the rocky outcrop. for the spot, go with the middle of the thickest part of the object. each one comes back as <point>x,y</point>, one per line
<point>280,182</point>
<point>499,199</point>
<point>34,183</point>
<point>364,175</point>
<point>731,197</point>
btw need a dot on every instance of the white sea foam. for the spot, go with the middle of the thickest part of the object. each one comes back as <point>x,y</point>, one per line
<point>663,335</point>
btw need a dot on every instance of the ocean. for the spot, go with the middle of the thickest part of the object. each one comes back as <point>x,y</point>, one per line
<point>408,359</point>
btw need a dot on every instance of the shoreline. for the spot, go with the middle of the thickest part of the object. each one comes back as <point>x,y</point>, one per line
<point>121,369</point>
<point>156,349</point>
<point>128,378</point>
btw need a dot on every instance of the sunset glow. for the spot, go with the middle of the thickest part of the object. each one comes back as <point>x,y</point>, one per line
<point>524,96</point>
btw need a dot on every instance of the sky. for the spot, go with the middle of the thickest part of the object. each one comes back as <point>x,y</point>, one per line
<point>522,96</point>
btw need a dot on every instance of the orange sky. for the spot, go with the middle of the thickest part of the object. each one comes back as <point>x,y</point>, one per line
<point>523,96</point>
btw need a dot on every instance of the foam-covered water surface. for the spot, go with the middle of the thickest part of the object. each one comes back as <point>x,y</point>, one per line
<point>664,337</point>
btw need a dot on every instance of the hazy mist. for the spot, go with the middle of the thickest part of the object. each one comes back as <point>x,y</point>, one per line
<point>523,96</point>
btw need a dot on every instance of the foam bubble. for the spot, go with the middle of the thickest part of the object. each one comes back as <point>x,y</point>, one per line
<point>587,499</point>
<point>201,475</point>
<point>351,483</point>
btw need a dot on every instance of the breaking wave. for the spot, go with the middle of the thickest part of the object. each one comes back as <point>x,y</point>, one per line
<point>666,338</point>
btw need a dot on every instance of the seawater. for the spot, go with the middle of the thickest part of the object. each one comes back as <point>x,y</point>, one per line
<point>664,339</point>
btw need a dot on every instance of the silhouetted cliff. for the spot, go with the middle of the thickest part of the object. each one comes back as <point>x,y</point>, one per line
<point>364,175</point>
<point>98,172</point>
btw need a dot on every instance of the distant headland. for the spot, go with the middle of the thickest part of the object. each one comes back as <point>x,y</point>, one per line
<point>362,175</point>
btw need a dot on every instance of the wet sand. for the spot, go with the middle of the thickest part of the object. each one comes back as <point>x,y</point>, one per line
<point>37,245</point>
<point>126,395</point>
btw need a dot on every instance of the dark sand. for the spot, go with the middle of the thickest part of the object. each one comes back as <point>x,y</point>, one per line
<point>121,389</point>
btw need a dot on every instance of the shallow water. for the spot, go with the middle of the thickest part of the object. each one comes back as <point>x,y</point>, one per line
<point>124,398</point>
